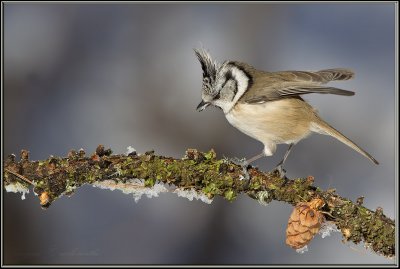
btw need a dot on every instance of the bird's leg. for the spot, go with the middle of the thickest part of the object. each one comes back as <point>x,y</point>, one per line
<point>279,168</point>
<point>245,164</point>
<point>255,158</point>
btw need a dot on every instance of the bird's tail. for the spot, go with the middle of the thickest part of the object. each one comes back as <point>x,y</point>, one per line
<point>320,126</point>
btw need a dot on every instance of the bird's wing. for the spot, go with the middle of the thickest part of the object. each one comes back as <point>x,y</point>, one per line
<point>277,85</point>
<point>320,77</point>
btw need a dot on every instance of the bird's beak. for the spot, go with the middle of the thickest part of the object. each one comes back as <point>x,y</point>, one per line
<point>202,106</point>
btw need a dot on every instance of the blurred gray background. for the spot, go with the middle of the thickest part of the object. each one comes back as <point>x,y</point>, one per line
<point>79,75</point>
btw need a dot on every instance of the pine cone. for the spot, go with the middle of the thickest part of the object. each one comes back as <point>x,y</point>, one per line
<point>304,222</point>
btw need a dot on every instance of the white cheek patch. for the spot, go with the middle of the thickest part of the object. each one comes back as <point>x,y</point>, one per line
<point>242,82</point>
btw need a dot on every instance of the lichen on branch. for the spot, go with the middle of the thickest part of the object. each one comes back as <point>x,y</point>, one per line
<point>198,175</point>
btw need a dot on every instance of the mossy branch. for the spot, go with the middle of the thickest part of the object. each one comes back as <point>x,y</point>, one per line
<point>201,172</point>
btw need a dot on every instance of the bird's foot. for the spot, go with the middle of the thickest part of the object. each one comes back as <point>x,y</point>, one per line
<point>242,162</point>
<point>280,171</point>
<point>245,165</point>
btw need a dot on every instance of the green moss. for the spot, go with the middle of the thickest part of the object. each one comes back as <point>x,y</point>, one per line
<point>230,195</point>
<point>211,189</point>
<point>255,185</point>
<point>210,155</point>
<point>272,187</point>
<point>149,182</point>
<point>91,177</point>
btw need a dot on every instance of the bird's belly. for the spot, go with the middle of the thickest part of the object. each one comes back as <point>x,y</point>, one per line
<point>280,121</point>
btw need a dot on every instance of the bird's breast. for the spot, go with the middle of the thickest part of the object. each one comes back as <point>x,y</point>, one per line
<point>280,121</point>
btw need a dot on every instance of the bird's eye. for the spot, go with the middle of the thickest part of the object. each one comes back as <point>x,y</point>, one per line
<point>206,80</point>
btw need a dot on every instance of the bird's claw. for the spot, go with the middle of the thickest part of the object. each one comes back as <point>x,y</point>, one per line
<point>280,171</point>
<point>245,165</point>
<point>241,162</point>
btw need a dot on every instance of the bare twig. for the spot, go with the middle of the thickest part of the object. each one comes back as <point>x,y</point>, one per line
<point>19,176</point>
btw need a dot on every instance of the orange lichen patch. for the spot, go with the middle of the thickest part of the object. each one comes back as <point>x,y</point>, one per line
<point>304,222</point>
<point>310,180</point>
<point>44,198</point>
<point>95,157</point>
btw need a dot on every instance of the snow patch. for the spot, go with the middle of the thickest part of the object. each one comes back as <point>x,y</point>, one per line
<point>302,250</point>
<point>130,150</point>
<point>327,228</point>
<point>193,194</point>
<point>133,186</point>
<point>17,187</point>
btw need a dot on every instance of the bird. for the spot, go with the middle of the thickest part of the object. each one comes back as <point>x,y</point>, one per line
<point>268,106</point>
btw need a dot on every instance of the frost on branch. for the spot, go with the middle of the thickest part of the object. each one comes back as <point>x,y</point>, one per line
<point>130,150</point>
<point>302,250</point>
<point>192,193</point>
<point>17,187</point>
<point>327,228</point>
<point>135,187</point>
